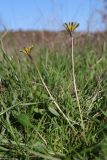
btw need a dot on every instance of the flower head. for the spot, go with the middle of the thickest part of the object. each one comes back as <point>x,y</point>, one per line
<point>27,50</point>
<point>70,27</point>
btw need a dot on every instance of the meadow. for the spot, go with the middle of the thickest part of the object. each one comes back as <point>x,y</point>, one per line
<point>39,114</point>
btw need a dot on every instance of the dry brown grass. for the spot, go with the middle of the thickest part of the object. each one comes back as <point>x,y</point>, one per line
<point>55,40</point>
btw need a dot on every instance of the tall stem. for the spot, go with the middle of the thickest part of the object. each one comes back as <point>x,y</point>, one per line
<point>75,86</point>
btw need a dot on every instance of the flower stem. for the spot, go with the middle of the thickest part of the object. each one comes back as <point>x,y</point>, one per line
<point>75,86</point>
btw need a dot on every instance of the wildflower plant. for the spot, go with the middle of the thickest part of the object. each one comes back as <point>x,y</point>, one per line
<point>70,28</point>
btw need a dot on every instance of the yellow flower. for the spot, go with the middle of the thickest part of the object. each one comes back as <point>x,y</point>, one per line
<point>27,50</point>
<point>70,27</point>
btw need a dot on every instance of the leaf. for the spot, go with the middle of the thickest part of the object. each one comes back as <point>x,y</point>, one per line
<point>24,120</point>
<point>53,111</point>
<point>40,147</point>
<point>39,110</point>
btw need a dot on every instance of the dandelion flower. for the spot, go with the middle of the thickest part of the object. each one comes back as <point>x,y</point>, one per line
<point>27,50</point>
<point>70,27</point>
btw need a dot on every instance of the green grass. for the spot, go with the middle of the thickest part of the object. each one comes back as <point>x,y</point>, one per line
<point>44,123</point>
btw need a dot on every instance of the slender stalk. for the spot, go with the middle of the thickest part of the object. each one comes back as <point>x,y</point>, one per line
<point>52,98</point>
<point>75,86</point>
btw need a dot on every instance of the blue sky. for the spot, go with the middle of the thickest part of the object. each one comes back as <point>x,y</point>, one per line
<point>49,14</point>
